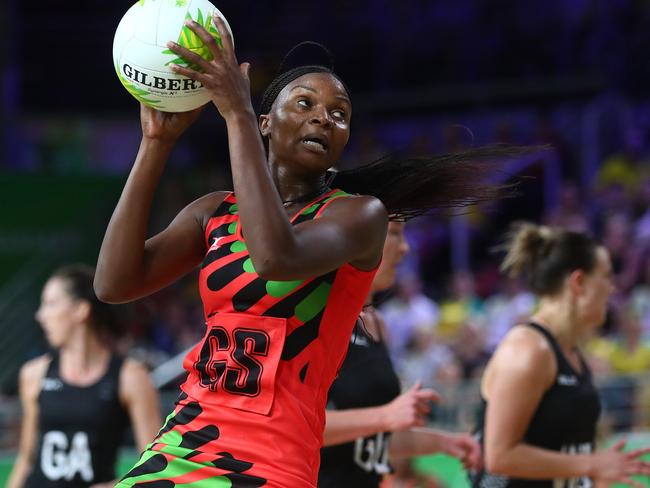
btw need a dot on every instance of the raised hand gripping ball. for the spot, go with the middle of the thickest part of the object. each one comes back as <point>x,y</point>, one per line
<point>142,59</point>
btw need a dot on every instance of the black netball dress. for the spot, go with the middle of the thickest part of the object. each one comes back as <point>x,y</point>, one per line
<point>565,421</point>
<point>79,430</point>
<point>366,379</point>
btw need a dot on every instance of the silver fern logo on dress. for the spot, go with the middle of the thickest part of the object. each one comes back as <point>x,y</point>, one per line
<point>52,384</point>
<point>567,380</point>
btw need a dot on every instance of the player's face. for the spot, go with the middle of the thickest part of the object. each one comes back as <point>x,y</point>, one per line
<point>57,312</point>
<point>309,123</point>
<point>395,248</point>
<point>598,287</point>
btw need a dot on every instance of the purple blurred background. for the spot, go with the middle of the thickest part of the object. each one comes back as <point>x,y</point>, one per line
<point>426,76</point>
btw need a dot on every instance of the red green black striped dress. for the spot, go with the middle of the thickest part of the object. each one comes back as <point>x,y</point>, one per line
<point>252,410</point>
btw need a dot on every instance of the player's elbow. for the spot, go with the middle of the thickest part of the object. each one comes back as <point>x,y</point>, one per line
<point>109,292</point>
<point>496,461</point>
<point>270,269</point>
<point>106,295</point>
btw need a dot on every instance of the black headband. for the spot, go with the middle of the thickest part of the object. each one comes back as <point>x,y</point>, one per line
<point>309,50</point>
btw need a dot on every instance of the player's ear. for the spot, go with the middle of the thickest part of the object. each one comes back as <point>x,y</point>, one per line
<point>265,124</point>
<point>576,282</point>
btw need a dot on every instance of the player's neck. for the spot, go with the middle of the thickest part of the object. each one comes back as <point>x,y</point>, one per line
<point>83,356</point>
<point>559,319</point>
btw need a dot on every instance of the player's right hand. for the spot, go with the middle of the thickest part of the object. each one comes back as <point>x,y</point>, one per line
<point>165,126</point>
<point>410,409</point>
<point>616,466</point>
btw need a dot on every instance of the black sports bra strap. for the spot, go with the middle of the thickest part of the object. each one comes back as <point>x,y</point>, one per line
<point>563,362</point>
<point>53,367</point>
<point>115,365</point>
<point>551,340</point>
<point>549,337</point>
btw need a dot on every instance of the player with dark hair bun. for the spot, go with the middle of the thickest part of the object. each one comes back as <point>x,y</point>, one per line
<point>540,407</point>
<point>286,264</point>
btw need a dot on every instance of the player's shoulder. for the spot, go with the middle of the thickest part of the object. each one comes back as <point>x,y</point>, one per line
<point>132,368</point>
<point>208,203</point>
<point>133,376</point>
<point>340,197</point>
<point>204,207</point>
<point>35,367</point>
<point>366,208</point>
<point>32,372</point>
<point>524,348</point>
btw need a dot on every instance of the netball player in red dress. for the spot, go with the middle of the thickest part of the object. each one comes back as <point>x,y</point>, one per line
<point>286,263</point>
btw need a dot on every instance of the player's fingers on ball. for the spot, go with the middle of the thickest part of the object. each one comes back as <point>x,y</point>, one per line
<point>199,30</point>
<point>146,110</point>
<point>207,38</point>
<point>245,69</point>
<point>188,55</point>
<point>226,36</point>
<point>190,73</point>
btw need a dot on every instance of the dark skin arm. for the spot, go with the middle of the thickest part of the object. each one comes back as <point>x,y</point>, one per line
<point>350,230</point>
<point>130,266</point>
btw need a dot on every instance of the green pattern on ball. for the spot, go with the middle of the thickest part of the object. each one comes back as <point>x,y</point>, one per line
<point>137,93</point>
<point>189,40</point>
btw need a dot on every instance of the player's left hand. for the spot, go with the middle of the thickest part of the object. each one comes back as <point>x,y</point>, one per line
<point>225,79</point>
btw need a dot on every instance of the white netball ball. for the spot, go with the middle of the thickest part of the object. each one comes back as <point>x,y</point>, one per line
<point>142,59</point>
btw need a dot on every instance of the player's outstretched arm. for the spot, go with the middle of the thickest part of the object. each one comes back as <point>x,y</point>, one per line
<point>129,265</point>
<point>406,411</point>
<point>420,441</point>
